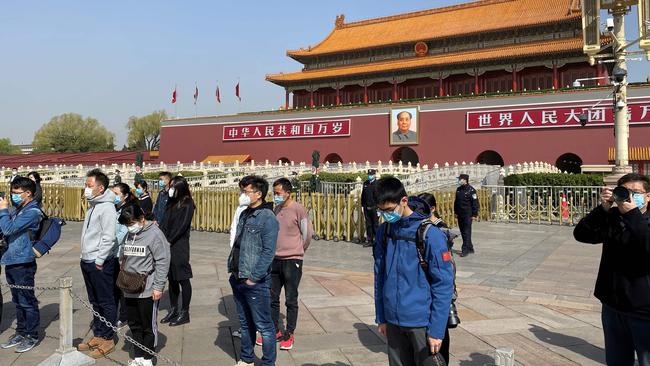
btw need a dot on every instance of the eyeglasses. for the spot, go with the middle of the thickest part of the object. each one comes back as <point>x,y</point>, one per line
<point>394,209</point>
<point>14,192</point>
<point>247,192</point>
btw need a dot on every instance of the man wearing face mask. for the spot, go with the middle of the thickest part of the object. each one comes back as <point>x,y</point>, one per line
<point>370,207</point>
<point>98,250</point>
<point>164,178</point>
<point>294,237</point>
<point>412,299</point>
<point>622,224</point>
<point>249,264</point>
<point>466,210</point>
<point>20,266</point>
<point>14,175</point>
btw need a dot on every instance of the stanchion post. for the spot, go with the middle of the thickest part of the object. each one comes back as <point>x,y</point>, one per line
<point>504,356</point>
<point>66,354</point>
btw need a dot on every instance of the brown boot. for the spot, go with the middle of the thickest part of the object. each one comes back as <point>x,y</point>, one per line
<point>105,347</point>
<point>92,344</point>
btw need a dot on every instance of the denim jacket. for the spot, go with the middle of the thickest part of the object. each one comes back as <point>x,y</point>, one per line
<point>15,227</point>
<point>257,235</point>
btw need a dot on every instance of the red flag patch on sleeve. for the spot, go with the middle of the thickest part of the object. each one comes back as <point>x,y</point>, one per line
<point>446,256</point>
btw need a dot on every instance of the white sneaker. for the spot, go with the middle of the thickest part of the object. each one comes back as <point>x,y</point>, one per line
<point>146,362</point>
<point>242,363</point>
<point>134,363</point>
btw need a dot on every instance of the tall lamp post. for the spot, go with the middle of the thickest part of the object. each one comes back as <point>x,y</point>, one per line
<point>617,56</point>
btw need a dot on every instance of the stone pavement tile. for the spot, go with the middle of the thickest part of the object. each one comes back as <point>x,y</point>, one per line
<point>341,287</point>
<point>589,317</point>
<point>329,341</point>
<point>205,345</point>
<point>499,326</point>
<point>547,316</point>
<point>585,355</point>
<point>528,352</point>
<point>464,343</point>
<point>488,308</point>
<point>566,337</point>
<point>336,319</point>
<point>467,314</point>
<point>309,287</point>
<point>562,303</point>
<point>367,356</point>
<point>331,301</point>
<point>330,357</point>
<point>362,310</point>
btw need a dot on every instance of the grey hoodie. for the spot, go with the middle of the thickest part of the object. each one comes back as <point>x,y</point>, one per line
<point>147,252</point>
<point>98,232</point>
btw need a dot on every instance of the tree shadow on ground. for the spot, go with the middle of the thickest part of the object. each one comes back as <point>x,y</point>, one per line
<point>477,359</point>
<point>564,341</point>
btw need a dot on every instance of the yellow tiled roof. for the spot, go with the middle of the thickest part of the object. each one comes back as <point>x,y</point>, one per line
<point>437,23</point>
<point>634,154</point>
<point>510,51</point>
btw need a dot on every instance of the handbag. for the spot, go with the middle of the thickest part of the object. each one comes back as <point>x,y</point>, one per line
<point>438,360</point>
<point>130,282</point>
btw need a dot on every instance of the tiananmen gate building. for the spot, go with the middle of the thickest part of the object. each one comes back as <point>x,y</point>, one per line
<point>490,81</point>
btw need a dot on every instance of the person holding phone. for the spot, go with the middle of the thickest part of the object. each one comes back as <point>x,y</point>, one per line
<point>622,224</point>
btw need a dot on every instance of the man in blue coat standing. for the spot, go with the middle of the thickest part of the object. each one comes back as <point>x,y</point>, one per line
<point>17,227</point>
<point>411,303</point>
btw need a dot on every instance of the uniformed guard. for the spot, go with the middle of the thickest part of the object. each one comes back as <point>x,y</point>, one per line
<point>466,210</point>
<point>370,207</point>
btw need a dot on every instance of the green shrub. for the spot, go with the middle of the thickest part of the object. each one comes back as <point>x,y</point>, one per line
<point>553,179</point>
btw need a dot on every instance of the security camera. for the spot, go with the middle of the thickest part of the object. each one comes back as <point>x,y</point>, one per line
<point>619,104</point>
<point>583,119</point>
<point>619,75</point>
<point>610,24</point>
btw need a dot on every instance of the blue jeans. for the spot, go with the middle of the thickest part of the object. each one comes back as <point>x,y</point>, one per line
<point>28,317</point>
<point>99,285</point>
<point>254,309</point>
<point>625,334</point>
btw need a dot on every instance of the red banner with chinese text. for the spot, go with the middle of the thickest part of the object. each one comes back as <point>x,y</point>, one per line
<point>287,130</point>
<point>552,117</point>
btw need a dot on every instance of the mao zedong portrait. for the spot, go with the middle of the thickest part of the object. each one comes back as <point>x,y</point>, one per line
<point>404,133</point>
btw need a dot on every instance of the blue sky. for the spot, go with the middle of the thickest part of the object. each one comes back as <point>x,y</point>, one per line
<point>113,60</point>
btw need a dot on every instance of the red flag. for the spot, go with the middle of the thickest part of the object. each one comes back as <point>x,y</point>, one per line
<point>196,94</point>
<point>218,95</point>
<point>237,91</point>
<point>174,96</point>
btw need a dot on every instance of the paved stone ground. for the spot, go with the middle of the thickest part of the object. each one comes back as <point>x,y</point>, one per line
<point>528,286</point>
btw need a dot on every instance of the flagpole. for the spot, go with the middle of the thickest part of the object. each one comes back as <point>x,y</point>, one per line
<point>196,98</point>
<point>176,100</point>
<point>239,96</point>
<point>216,99</point>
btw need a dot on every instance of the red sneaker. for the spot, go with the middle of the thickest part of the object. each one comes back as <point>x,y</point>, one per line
<point>287,343</point>
<point>278,337</point>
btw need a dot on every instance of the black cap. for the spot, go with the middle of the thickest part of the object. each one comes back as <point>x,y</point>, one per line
<point>464,176</point>
<point>371,172</point>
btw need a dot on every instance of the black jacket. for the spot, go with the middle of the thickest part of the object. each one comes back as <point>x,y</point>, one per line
<point>624,274</point>
<point>466,202</point>
<point>176,225</point>
<point>368,194</point>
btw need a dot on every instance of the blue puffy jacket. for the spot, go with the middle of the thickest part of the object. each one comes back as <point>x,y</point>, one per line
<point>16,226</point>
<point>403,294</point>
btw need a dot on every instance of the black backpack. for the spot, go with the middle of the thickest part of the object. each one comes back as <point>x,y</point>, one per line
<point>424,227</point>
<point>47,235</point>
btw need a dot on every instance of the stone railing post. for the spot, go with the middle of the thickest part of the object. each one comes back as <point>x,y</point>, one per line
<point>66,354</point>
<point>504,356</point>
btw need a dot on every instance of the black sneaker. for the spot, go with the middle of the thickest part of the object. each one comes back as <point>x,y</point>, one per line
<point>464,253</point>
<point>27,344</point>
<point>13,341</point>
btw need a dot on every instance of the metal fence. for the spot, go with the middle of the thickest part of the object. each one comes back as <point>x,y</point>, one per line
<point>541,204</point>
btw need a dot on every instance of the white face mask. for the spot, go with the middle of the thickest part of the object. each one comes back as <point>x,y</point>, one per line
<point>171,192</point>
<point>135,228</point>
<point>244,199</point>
<point>88,193</point>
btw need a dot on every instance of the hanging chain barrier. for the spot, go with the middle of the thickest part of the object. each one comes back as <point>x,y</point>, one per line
<point>89,307</point>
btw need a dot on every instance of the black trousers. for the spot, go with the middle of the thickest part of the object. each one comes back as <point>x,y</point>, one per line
<point>175,291</point>
<point>408,346</point>
<point>465,226</point>
<point>285,273</point>
<point>142,315</point>
<point>372,221</point>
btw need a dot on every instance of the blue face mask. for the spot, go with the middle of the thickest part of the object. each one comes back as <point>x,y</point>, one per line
<point>371,177</point>
<point>138,192</point>
<point>392,216</point>
<point>117,200</point>
<point>16,198</point>
<point>278,200</point>
<point>161,184</point>
<point>637,198</point>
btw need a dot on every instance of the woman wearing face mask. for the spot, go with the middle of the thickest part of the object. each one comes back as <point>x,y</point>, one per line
<point>142,192</point>
<point>176,225</point>
<point>123,198</point>
<point>146,252</point>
